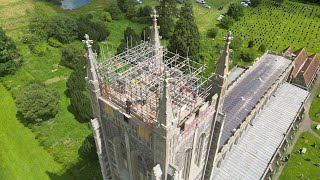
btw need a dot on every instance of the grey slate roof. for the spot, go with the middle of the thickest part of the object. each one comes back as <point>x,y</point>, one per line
<point>242,98</point>
<point>250,157</point>
<point>235,74</point>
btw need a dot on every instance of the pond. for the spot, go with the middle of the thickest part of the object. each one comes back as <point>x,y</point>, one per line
<point>72,4</point>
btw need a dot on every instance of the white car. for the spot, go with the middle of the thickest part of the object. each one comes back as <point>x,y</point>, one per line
<point>220,17</point>
<point>201,1</point>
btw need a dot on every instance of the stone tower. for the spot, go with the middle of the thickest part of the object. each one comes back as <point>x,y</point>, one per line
<point>154,112</point>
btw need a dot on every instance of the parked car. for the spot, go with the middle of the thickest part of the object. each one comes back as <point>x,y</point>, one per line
<point>220,8</point>
<point>220,17</point>
<point>138,1</point>
<point>206,6</point>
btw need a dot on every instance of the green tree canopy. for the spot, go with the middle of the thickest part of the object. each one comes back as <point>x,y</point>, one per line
<point>167,12</point>
<point>226,22</point>
<point>36,102</point>
<point>236,43</point>
<point>185,39</point>
<point>212,33</point>
<point>97,30</point>
<point>255,3</point>
<point>248,55</point>
<point>250,44</point>
<point>72,57</point>
<point>235,11</point>
<point>63,28</point>
<point>10,58</point>
<point>262,48</point>
<point>115,11</point>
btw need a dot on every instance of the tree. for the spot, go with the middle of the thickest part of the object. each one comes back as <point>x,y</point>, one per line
<point>10,59</point>
<point>236,43</point>
<point>105,16</point>
<point>212,33</point>
<point>115,11</point>
<point>235,11</point>
<point>226,22</point>
<point>88,149</point>
<point>97,30</point>
<point>130,37</point>
<point>37,102</point>
<point>248,55</point>
<point>185,39</point>
<point>63,28</point>
<point>167,12</point>
<point>255,3</point>
<point>262,48</point>
<point>131,12</point>
<point>72,57</point>
<point>250,44</point>
<point>125,4</point>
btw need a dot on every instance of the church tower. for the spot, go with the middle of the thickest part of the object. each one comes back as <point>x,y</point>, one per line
<point>154,111</point>
<point>219,87</point>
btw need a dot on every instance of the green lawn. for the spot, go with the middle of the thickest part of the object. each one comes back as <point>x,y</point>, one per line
<point>21,157</point>
<point>291,24</point>
<point>298,165</point>
<point>315,107</point>
<point>313,127</point>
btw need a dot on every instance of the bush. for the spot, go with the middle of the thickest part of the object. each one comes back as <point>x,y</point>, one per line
<point>227,22</point>
<point>145,11</point>
<point>115,11</point>
<point>97,30</point>
<point>106,16</point>
<point>248,55</point>
<point>250,44</point>
<point>212,33</point>
<point>39,50</point>
<point>37,102</point>
<point>262,48</point>
<point>236,43</point>
<point>255,3</point>
<point>63,28</point>
<point>235,11</point>
<point>72,57</point>
<point>31,39</point>
<point>54,43</point>
<point>131,12</point>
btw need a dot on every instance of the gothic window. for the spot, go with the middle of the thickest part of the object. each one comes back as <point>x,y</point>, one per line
<point>199,149</point>
<point>187,164</point>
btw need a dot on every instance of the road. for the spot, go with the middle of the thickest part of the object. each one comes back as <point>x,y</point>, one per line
<point>305,124</point>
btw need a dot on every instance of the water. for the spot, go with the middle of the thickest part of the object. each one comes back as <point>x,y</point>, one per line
<point>72,4</point>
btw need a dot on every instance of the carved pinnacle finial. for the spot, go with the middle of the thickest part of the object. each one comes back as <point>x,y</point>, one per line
<point>87,41</point>
<point>228,38</point>
<point>154,15</point>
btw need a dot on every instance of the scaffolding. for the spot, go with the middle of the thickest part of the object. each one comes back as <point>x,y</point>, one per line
<point>137,76</point>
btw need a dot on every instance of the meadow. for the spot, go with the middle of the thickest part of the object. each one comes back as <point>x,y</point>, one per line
<point>303,166</point>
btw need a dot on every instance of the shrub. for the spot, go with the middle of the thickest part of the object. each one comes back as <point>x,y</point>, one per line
<point>31,39</point>
<point>131,12</point>
<point>37,102</point>
<point>235,11</point>
<point>255,3</point>
<point>236,43</point>
<point>262,48</point>
<point>212,33</point>
<point>72,57</point>
<point>248,55</point>
<point>63,28</point>
<point>39,50</point>
<point>250,44</point>
<point>97,30</point>
<point>54,43</point>
<point>115,11</point>
<point>145,11</point>
<point>227,22</point>
<point>106,16</point>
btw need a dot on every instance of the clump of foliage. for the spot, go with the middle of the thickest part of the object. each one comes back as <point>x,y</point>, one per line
<point>88,149</point>
<point>250,44</point>
<point>262,48</point>
<point>10,59</point>
<point>37,102</point>
<point>72,57</point>
<point>125,4</point>
<point>212,33</point>
<point>235,11</point>
<point>54,43</point>
<point>106,16</point>
<point>39,49</point>
<point>98,30</point>
<point>226,22</point>
<point>255,3</point>
<point>115,11</point>
<point>236,43</point>
<point>63,28</point>
<point>167,12</point>
<point>185,39</point>
<point>129,37</point>
<point>248,55</point>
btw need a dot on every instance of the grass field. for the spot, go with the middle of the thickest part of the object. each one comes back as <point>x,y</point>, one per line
<point>20,153</point>
<point>291,24</point>
<point>298,166</point>
<point>315,107</point>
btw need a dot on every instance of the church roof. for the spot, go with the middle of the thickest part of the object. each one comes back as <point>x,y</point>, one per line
<point>301,57</point>
<point>244,96</point>
<point>251,156</point>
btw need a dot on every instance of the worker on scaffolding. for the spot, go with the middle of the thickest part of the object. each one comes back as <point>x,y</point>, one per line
<point>128,104</point>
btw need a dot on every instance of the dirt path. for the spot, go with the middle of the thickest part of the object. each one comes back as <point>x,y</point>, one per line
<point>305,125</point>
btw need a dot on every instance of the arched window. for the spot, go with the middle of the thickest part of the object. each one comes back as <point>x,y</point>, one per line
<point>199,150</point>
<point>187,164</point>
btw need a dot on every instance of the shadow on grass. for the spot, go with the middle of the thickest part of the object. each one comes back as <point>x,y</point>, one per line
<point>87,168</point>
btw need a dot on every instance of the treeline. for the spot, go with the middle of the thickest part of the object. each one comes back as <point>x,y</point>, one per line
<point>10,58</point>
<point>317,2</point>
